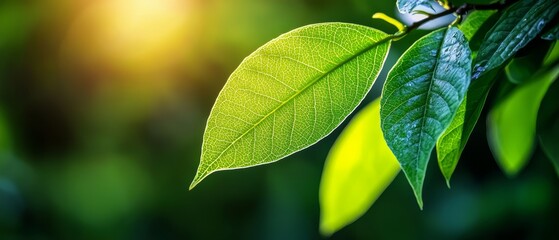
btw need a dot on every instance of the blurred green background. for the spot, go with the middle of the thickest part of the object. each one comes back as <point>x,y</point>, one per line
<point>102,111</point>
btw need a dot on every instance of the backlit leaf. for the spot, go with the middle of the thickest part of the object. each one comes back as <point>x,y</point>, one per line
<point>518,25</point>
<point>421,96</point>
<point>358,169</point>
<point>290,93</point>
<point>511,125</point>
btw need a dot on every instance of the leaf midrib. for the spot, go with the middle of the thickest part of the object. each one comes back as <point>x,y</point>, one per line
<point>309,85</point>
<point>423,119</point>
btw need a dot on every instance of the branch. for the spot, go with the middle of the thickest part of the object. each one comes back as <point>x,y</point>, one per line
<point>460,11</point>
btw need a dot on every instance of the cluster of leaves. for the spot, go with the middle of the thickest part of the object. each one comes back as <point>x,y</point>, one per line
<point>299,87</point>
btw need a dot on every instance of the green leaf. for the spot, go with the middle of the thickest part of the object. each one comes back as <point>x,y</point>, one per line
<point>421,96</point>
<point>358,169</point>
<point>552,56</point>
<point>407,6</point>
<point>552,34</point>
<point>518,25</point>
<point>452,142</point>
<point>548,124</point>
<point>290,93</point>
<point>511,125</point>
<point>474,21</point>
<point>521,69</point>
<point>449,145</point>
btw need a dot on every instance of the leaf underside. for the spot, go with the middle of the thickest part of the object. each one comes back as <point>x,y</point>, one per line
<point>421,96</point>
<point>518,25</point>
<point>290,93</point>
<point>357,170</point>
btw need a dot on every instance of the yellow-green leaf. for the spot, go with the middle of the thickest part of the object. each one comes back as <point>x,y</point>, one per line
<point>290,93</point>
<point>358,169</point>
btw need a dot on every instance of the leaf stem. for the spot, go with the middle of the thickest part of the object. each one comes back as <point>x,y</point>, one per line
<point>459,11</point>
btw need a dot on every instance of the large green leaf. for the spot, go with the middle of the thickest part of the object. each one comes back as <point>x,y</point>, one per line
<point>358,169</point>
<point>452,142</point>
<point>407,6</point>
<point>518,25</point>
<point>421,96</point>
<point>511,125</point>
<point>290,93</point>
<point>548,124</point>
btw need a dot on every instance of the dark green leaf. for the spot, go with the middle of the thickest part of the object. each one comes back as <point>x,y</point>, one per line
<point>474,22</point>
<point>511,125</point>
<point>358,169</point>
<point>552,56</point>
<point>289,94</point>
<point>521,69</point>
<point>421,96</point>
<point>518,25</point>
<point>477,38</point>
<point>548,124</point>
<point>407,6</point>
<point>552,34</point>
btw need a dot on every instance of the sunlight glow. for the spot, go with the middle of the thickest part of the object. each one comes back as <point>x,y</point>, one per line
<point>130,35</point>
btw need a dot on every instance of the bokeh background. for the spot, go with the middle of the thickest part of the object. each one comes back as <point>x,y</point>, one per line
<point>103,106</point>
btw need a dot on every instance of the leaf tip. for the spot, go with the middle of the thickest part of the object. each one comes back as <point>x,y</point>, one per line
<point>417,188</point>
<point>197,179</point>
<point>328,225</point>
<point>418,197</point>
<point>325,230</point>
<point>193,184</point>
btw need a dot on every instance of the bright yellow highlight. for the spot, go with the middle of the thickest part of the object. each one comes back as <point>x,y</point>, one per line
<point>130,35</point>
<point>401,27</point>
<point>358,169</point>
